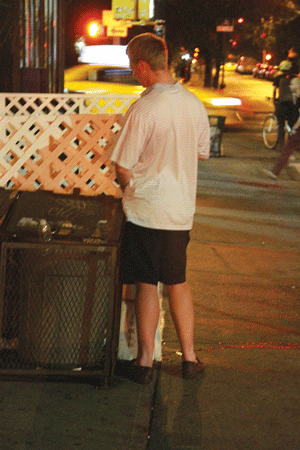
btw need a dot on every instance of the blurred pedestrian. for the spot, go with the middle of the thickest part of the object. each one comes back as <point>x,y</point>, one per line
<point>165,132</point>
<point>285,108</point>
<point>293,58</point>
<point>293,143</point>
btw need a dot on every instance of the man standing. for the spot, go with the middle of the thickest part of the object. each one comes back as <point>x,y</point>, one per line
<point>165,132</point>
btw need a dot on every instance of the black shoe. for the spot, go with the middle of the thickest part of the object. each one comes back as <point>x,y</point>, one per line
<point>138,374</point>
<point>270,174</point>
<point>191,369</point>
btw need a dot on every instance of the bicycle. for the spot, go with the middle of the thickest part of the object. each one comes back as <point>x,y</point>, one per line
<point>270,130</point>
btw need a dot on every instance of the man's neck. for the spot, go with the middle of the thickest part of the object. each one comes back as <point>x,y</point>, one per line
<point>163,77</point>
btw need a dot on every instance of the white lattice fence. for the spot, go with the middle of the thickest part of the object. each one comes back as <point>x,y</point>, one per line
<point>52,104</point>
<point>47,148</point>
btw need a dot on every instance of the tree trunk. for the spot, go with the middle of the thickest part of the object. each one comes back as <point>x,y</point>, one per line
<point>208,71</point>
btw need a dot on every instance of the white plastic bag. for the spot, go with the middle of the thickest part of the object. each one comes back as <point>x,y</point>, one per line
<point>128,336</point>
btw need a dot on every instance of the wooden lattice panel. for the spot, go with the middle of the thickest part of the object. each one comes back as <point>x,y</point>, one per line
<point>59,153</point>
<point>53,104</point>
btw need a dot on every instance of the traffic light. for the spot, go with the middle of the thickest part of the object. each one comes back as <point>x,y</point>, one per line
<point>196,52</point>
<point>94,29</point>
<point>241,20</point>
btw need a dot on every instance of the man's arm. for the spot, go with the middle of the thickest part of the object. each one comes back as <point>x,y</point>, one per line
<point>276,89</point>
<point>275,95</point>
<point>296,125</point>
<point>204,144</point>
<point>124,176</point>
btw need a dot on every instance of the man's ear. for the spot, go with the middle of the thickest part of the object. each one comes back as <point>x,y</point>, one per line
<point>144,66</point>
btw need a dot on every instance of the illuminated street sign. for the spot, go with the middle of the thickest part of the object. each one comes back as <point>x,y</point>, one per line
<point>225,29</point>
<point>115,28</point>
<point>124,9</point>
<point>145,9</point>
<point>118,31</point>
<point>133,9</point>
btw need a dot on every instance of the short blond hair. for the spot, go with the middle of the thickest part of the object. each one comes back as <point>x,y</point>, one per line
<point>149,48</point>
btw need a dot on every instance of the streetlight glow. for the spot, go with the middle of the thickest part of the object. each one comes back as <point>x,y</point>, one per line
<point>93,29</point>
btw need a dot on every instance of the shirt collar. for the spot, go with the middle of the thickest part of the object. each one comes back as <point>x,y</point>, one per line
<point>161,86</point>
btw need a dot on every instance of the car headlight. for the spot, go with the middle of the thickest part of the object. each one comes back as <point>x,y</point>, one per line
<point>227,101</point>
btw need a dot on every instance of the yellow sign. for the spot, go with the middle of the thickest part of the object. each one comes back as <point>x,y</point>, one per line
<point>224,29</point>
<point>144,9</point>
<point>124,9</point>
<point>108,18</point>
<point>114,27</point>
<point>118,31</point>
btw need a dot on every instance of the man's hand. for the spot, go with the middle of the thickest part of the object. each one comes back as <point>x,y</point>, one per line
<point>124,176</point>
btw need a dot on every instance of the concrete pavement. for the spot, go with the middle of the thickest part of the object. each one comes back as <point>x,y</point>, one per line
<point>244,272</point>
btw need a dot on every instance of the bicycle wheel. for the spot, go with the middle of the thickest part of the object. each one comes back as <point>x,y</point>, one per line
<point>270,131</point>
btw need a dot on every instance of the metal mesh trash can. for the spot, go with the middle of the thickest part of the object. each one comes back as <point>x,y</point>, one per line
<point>60,300</point>
<point>217,124</point>
<point>7,199</point>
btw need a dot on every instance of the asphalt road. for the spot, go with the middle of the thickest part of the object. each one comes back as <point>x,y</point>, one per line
<point>245,141</point>
<point>237,203</point>
<point>253,91</point>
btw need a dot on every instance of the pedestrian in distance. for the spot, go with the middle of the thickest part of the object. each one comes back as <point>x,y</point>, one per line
<point>293,58</point>
<point>293,143</point>
<point>164,134</point>
<point>285,109</point>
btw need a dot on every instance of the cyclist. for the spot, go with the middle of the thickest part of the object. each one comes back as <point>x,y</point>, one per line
<point>285,109</point>
<point>293,143</point>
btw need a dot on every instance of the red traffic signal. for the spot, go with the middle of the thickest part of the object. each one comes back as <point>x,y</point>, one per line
<point>94,29</point>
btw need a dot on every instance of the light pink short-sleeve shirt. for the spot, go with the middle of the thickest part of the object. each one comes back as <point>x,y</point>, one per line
<point>163,134</point>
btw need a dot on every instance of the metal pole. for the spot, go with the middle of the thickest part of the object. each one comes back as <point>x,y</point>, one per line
<point>223,85</point>
<point>60,30</point>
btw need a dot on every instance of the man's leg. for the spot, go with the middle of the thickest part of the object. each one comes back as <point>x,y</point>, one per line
<point>182,311</point>
<point>292,114</point>
<point>147,317</point>
<point>281,116</point>
<point>291,146</point>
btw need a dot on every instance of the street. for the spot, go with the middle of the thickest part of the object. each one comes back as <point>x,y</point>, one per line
<point>234,184</point>
<point>253,90</point>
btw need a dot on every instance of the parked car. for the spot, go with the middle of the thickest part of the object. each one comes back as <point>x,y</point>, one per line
<point>255,70</point>
<point>271,72</point>
<point>245,65</point>
<point>260,70</point>
<point>100,79</point>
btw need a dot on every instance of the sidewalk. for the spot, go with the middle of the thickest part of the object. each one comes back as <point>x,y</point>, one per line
<point>248,397</point>
<point>245,284</point>
<point>244,272</point>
